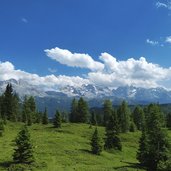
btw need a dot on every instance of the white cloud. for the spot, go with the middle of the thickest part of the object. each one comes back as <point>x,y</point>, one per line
<point>24,20</point>
<point>8,71</point>
<point>65,57</point>
<point>164,5</point>
<point>168,39</point>
<point>139,73</point>
<point>151,42</point>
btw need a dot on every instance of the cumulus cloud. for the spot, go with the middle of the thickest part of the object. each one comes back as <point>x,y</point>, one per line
<point>68,58</point>
<point>8,71</point>
<point>139,73</point>
<point>152,42</point>
<point>136,72</point>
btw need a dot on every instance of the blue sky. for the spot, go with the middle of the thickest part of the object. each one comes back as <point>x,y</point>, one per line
<point>125,29</point>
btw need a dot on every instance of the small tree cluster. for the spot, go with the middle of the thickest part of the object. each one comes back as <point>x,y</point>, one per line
<point>154,146</point>
<point>79,111</point>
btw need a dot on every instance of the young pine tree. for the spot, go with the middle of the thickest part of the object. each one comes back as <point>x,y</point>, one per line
<point>112,140</point>
<point>23,153</point>
<point>45,117</point>
<point>57,120</point>
<point>96,145</point>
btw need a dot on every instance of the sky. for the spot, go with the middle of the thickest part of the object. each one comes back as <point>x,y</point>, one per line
<point>73,42</point>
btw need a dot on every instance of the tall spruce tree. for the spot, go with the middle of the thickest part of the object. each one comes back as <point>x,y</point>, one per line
<point>96,144</point>
<point>124,117</point>
<point>7,106</point>
<point>107,111</point>
<point>82,110</point>
<point>143,149</point>
<point>93,118</point>
<point>157,140</point>
<point>57,120</point>
<point>138,117</point>
<point>23,153</point>
<point>74,111</point>
<point>112,140</point>
<point>45,117</point>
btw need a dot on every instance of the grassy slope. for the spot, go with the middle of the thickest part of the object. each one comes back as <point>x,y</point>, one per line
<point>69,149</point>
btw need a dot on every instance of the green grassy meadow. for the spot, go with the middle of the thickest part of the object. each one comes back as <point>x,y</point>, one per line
<point>69,148</point>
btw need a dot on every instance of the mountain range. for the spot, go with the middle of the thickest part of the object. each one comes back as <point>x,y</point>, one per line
<point>95,95</point>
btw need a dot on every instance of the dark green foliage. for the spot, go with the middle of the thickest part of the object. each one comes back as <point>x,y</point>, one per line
<point>138,117</point>
<point>157,146</point>
<point>45,117</point>
<point>38,117</point>
<point>74,111</point>
<point>96,144</point>
<point>1,127</point>
<point>143,149</point>
<point>24,151</point>
<point>9,104</point>
<point>107,110</point>
<point>57,120</point>
<point>16,107</point>
<point>82,110</point>
<point>168,120</point>
<point>164,166</point>
<point>93,118</point>
<point>132,127</point>
<point>112,140</point>
<point>29,113</point>
<point>124,117</point>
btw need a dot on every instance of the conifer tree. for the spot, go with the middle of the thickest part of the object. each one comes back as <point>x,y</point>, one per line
<point>57,120</point>
<point>93,118</point>
<point>124,117</point>
<point>96,145</point>
<point>132,126</point>
<point>107,110</point>
<point>16,108</point>
<point>157,140</point>
<point>143,149</point>
<point>112,140</point>
<point>23,153</point>
<point>45,117</point>
<point>82,111</point>
<point>74,111</point>
<point>168,120</point>
<point>1,127</point>
<point>25,110</point>
<point>7,106</point>
<point>138,117</point>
